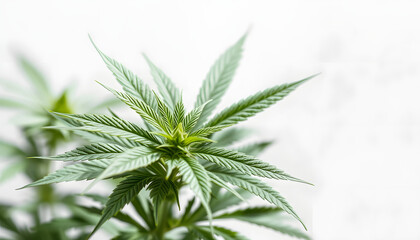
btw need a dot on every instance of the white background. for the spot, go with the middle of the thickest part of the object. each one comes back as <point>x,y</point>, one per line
<point>353,131</point>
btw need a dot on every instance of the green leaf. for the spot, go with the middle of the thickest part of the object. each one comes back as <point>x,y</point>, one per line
<point>159,189</point>
<point>179,113</point>
<point>166,87</point>
<point>94,151</point>
<point>113,113</point>
<point>61,103</point>
<point>97,198</point>
<point>228,234</point>
<point>76,172</point>
<point>12,86</point>
<point>142,108</point>
<point>82,213</point>
<point>171,164</point>
<point>94,136</point>
<point>257,188</point>
<point>6,221</point>
<point>11,170</point>
<point>250,212</point>
<point>8,149</point>
<point>131,236</point>
<point>216,180</point>
<point>120,216</point>
<point>112,126</point>
<point>218,79</point>
<point>192,117</point>
<point>254,149</point>
<point>229,136</point>
<point>285,229</point>
<point>131,83</point>
<point>204,232</point>
<point>219,201</point>
<point>9,103</point>
<point>254,104</point>
<point>125,191</point>
<point>224,200</point>
<point>245,164</point>
<point>194,174</point>
<point>204,132</point>
<point>131,159</point>
<point>196,232</point>
<point>166,114</point>
<point>144,208</point>
<point>36,78</point>
<point>268,217</point>
<point>193,139</point>
<point>62,224</point>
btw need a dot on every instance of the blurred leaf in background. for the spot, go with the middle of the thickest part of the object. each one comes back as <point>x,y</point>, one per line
<point>31,104</point>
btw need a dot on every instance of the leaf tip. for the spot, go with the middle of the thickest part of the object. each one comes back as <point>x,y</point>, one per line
<point>91,40</point>
<point>22,187</point>
<point>248,31</point>
<point>145,57</point>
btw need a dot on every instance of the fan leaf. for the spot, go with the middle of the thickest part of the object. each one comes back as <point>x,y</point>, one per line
<point>94,151</point>
<point>76,172</point>
<point>218,79</point>
<point>216,180</point>
<point>115,127</point>
<point>254,149</point>
<point>204,232</point>
<point>36,78</point>
<point>95,136</point>
<point>257,188</point>
<point>250,212</point>
<point>243,163</point>
<point>142,108</point>
<point>197,178</point>
<point>131,83</point>
<point>125,191</point>
<point>204,132</point>
<point>269,217</point>
<point>131,159</point>
<point>13,104</point>
<point>191,119</point>
<point>254,104</point>
<point>179,113</point>
<point>167,88</point>
<point>230,136</point>
<point>165,114</point>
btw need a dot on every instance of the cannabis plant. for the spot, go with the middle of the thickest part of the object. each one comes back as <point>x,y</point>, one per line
<point>30,105</point>
<point>174,148</point>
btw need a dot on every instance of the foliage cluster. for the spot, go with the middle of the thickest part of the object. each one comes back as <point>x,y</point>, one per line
<point>171,149</point>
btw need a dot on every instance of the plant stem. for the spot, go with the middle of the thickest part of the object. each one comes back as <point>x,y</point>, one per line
<point>164,210</point>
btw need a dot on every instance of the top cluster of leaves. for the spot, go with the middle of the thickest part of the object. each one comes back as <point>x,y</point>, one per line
<point>173,147</point>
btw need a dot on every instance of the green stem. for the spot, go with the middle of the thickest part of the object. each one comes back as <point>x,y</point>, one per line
<point>164,211</point>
